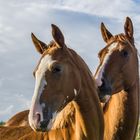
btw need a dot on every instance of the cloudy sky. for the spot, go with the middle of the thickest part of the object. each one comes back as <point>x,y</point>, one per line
<point>78,19</point>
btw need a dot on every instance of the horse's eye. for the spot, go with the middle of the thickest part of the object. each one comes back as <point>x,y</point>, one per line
<point>56,69</point>
<point>125,53</point>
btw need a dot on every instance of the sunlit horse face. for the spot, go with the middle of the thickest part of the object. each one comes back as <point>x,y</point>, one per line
<point>57,80</point>
<point>118,62</point>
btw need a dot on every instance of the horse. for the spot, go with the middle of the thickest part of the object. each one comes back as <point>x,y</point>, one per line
<point>65,104</point>
<point>14,132</point>
<point>117,77</point>
<point>19,119</point>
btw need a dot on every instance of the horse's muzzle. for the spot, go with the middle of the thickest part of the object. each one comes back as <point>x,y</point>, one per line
<point>39,119</point>
<point>105,91</point>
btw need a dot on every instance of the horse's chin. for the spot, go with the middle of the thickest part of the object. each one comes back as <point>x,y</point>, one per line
<point>105,99</point>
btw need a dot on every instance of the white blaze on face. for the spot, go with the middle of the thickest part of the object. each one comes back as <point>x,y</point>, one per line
<point>40,84</point>
<point>99,74</point>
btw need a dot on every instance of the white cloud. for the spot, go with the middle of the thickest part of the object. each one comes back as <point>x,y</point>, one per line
<point>104,8</point>
<point>107,8</point>
<point>7,110</point>
<point>21,99</point>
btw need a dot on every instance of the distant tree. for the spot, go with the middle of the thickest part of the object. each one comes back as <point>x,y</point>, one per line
<point>2,123</point>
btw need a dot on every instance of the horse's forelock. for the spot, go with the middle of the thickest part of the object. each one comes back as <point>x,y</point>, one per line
<point>121,38</point>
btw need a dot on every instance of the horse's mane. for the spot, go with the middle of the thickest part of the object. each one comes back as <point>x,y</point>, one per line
<point>83,69</point>
<point>51,44</point>
<point>121,37</point>
<point>67,118</point>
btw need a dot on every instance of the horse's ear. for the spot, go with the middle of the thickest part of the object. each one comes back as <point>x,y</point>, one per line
<point>105,33</point>
<point>58,36</point>
<point>128,28</point>
<point>39,45</point>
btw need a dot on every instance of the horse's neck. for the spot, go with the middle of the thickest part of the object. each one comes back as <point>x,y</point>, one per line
<point>79,121</point>
<point>121,115</point>
<point>84,116</point>
<point>114,114</point>
<point>71,122</point>
<point>91,112</point>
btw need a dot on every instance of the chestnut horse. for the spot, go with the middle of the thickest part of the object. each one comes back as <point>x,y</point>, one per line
<point>19,119</point>
<point>65,103</point>
<point>118,76</point>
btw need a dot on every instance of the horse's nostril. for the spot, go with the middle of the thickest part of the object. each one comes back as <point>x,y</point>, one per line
<point>38,117</point>
<point>103,86</point>
<point>103,82</point>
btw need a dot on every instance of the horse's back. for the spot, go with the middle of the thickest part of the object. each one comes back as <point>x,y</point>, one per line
<point>19,119</point>
<point>13,133</point>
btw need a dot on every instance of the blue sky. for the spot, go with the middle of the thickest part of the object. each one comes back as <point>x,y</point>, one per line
<point>78,19</point>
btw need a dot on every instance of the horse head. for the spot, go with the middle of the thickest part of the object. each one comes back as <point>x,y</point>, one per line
<point>57,81</point>
<point>118,66</point>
